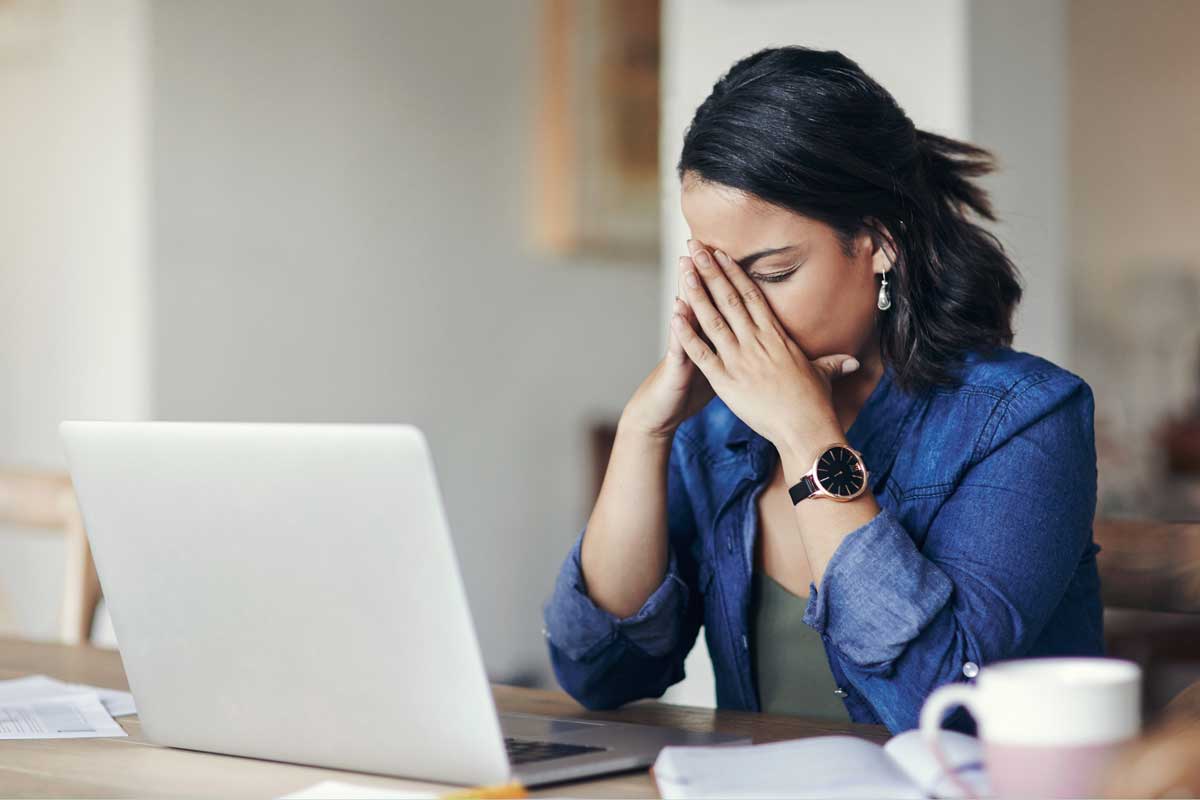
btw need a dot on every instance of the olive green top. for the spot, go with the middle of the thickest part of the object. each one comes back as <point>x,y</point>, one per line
<point>790,665</point>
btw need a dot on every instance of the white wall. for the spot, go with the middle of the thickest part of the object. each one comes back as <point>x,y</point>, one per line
<point>1135,256</point>
<point>72,252</point>
<point>338,198</point>
<point>992,73</point>
<point>1019,104</point>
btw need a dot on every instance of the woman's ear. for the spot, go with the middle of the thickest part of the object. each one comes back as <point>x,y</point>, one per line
<point>883,253</point>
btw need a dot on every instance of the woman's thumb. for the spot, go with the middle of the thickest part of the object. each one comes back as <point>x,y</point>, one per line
<point>836,366</point>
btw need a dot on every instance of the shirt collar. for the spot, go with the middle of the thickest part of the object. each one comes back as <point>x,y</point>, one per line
<point>876,431</point>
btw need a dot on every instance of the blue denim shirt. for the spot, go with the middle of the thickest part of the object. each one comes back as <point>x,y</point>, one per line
<point>982,549</point>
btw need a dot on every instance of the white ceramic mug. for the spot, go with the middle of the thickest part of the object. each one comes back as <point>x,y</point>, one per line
<point>1049,726</point>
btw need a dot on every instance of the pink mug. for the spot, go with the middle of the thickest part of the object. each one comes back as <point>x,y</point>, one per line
<point>1049,726</point>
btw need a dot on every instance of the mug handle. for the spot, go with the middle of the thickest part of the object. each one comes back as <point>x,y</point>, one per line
<point>936,705</point>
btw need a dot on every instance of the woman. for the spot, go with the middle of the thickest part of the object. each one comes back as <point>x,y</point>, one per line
<point>882,496</point>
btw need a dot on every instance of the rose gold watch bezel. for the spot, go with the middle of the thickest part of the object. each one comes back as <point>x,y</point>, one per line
<point>821,492</point>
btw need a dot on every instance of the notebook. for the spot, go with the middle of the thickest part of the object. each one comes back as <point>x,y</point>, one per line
<point>841,767</point>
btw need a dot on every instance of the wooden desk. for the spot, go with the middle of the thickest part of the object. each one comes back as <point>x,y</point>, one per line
<point>134,767</point>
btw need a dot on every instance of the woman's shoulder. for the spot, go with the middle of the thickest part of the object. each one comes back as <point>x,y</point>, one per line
<point>1006,392</point>
<point>1007,372</point>
<point>1011,384</point>
<point>1000,398</point>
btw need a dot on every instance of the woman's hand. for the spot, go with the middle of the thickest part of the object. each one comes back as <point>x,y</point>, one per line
<point>752,364</point>
<point>674,390</point>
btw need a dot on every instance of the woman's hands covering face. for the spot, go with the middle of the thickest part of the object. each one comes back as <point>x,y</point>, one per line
<point>676,388</point>
<point>728,331</point>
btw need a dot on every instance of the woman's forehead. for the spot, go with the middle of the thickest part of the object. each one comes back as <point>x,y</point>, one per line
<point>739,223</point>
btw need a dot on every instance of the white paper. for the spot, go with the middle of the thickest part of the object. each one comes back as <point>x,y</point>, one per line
<point>841,767</point>
<point>39,687</point>
<point>964,753</point>
<point>336,790</point>
<point>74,716</point>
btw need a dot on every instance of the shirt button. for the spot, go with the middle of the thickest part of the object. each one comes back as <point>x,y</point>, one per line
<point>840,692</point>
<point>745,642</point>
<point>970,669</point>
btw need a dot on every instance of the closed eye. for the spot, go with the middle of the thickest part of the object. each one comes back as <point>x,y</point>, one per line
<point>774,277</point>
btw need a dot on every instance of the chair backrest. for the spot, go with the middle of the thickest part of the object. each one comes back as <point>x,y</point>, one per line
<point>46,501</point>
<point>1149,566</point>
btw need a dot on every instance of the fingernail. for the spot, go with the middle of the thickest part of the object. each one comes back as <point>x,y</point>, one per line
<point>849,365</point>
<point>721,257</point>
<point>702,258</point>
<point>682,259</point>
<point>691,280</point>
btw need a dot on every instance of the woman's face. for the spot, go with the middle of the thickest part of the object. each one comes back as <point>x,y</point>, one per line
<point>825,300</point>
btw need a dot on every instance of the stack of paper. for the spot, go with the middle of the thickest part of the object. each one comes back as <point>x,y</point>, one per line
<point>841,767</point>
<point>40,707</point>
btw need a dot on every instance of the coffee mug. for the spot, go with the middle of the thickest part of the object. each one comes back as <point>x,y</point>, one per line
<point>1049,726</point>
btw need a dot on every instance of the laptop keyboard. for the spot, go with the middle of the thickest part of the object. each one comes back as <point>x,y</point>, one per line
<point>523,751</point>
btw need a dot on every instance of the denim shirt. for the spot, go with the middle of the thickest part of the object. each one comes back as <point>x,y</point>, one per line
<point>982,549</point>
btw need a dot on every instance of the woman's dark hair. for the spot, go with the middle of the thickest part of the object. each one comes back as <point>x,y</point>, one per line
<point>807,130</point>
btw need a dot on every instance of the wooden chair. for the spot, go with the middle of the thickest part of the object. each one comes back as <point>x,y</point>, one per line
<point>1150,574</point>
<point>1150,577</point>
<point>1149,566</point>
<point>46,501</point>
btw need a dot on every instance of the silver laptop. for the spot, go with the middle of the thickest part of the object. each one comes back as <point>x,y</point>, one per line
<point>291,592</point>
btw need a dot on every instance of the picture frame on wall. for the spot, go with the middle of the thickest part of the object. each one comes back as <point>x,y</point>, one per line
<point>596,143</point>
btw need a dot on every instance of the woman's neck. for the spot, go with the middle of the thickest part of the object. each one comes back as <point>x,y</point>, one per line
<point>851,392</point>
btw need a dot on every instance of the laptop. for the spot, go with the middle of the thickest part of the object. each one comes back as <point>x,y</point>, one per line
<point>291,592</point>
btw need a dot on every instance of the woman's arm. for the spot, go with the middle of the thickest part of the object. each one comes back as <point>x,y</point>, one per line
<point>624,553</point>
<point>604,657</point>
<point>992,567</point>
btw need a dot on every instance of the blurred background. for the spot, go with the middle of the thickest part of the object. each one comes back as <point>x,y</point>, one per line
<point>463,214</point>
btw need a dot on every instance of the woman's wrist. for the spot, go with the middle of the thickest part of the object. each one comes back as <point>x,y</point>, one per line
<point>801,444</point>
<point>632,425</point>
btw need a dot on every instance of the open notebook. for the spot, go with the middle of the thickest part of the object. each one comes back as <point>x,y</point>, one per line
<point>840,767</point>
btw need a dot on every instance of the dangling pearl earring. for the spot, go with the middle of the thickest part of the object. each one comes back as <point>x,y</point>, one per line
<point>885,300</point>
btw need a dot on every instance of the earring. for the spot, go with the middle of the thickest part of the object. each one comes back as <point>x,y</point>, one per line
<point>885,300</point>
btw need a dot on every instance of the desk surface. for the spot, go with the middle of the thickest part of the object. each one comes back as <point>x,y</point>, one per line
<point>134,767</point>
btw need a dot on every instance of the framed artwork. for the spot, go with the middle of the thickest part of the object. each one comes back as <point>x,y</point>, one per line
<point>596,141</point>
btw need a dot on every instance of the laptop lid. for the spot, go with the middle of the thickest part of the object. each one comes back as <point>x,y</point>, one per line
<point>288,592</point>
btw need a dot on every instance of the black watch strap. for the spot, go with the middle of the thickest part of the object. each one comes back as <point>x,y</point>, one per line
<point>805,488</point>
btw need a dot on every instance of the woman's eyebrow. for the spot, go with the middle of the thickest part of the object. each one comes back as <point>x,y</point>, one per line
<point>746,261</point>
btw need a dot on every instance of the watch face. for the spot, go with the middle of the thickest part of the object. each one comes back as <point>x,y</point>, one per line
<point>840,472</point>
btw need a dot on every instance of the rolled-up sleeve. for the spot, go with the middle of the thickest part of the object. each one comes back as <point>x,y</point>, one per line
<point>878,593</point>
<point>992,567</point>
<point>581,629</point>
<point>604,661</point>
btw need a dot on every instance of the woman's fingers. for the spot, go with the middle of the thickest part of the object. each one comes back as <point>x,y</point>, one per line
<point>685,265</point>
<point>699,352</point>
<point>835,366</point>
<point>675,351</point>
<point>725,298</point>
<point>752,296</point>
<point>712,321</point>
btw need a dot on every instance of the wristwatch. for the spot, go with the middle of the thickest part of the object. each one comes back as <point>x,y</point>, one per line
<point>838,473</point>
